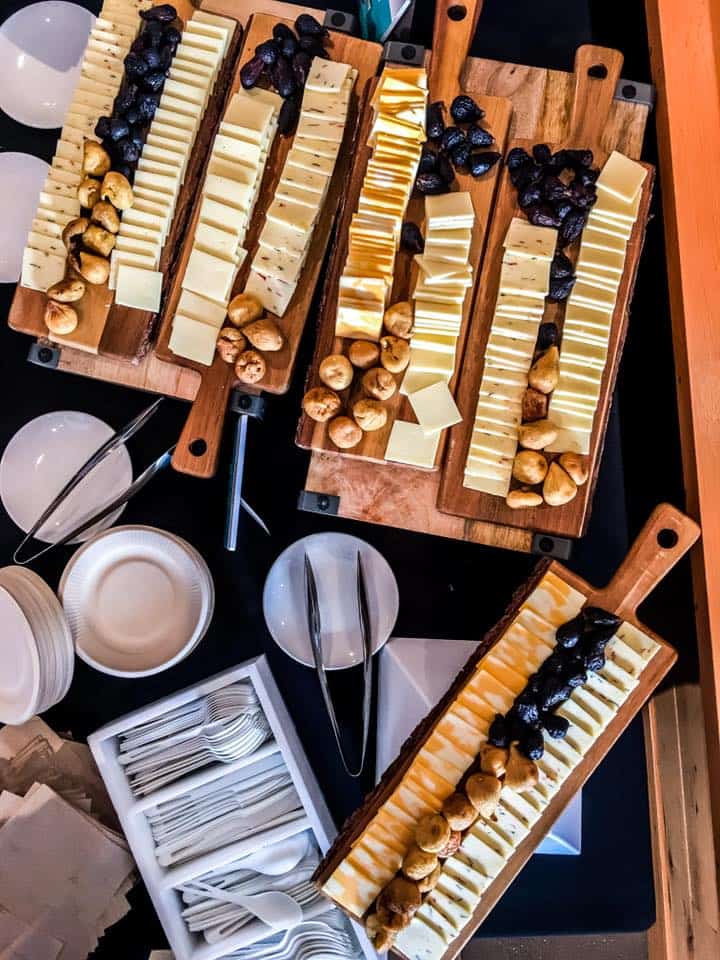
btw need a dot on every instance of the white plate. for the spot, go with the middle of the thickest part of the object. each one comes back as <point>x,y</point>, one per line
<point>138,600</point>
<point>21,179</point>
<point>19,663</point>
<point>41,458</point>
<point>333,556</point>
<point>41,49</point>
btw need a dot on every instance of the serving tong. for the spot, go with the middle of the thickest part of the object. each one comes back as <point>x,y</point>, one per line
<point>315,632</point>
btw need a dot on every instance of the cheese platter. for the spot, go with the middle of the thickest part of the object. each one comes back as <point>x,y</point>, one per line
<point>374,352</point>
<point>480,780</point>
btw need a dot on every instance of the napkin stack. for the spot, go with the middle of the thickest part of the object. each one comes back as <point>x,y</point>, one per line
<point>65,869</point>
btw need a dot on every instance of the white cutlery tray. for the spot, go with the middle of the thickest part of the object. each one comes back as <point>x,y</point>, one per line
<point>161,882</point>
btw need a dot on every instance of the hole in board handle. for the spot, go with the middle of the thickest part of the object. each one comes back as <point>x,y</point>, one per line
<point>457,12</point>
<point>629,91</point>
<point>667,539</point>
<point>598,71</point>
<point>197,448</point>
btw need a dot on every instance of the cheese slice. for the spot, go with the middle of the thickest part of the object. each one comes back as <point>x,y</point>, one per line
<point>435,408</point>
<point>448,209</point>
<point>275,295</point>
<point>326,76</point>
<point>237,194</point>
<point>193,340</point>
<point>41,269</point>
<point>621,177</point>
<point>138,288</point>
<point>526,240</point>
<point>209,276</point>
<point>215,240</point>
<point>525,277</point>
<point>408,443</point>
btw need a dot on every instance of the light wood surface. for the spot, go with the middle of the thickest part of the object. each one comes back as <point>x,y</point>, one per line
<point>685,60</point>
<point>630,577</point>
<point>203,429</point>
<point>589,112</point>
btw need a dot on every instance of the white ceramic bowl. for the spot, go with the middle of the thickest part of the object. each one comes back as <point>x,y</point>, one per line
<point>21,179</point>
<point>41,49</point>
<point>138,601</point>
<point>333,557</point>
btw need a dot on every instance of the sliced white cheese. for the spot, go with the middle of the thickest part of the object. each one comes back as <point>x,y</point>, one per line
<point>138,288</point>
<point>193,339</point>
<point>41,269</point>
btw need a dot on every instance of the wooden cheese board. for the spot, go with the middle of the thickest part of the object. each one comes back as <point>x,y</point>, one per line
<point>106,328</point>
<point>405,497</point>
<point>198,447</point>
<point>666,537</point>
<point>597,71</point>
<point>451,42</point>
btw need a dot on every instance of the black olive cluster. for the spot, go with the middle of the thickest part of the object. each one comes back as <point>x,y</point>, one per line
<point>580,647</point>
<point>555,190</point>
<point>147,64</point>
<point>285,62</point>
<point>411,238</point>
<point>463,147</point>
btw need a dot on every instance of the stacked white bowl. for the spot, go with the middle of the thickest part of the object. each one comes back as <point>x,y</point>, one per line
<point>36,648</point>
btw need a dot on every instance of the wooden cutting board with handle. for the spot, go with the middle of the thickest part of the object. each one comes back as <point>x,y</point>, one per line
<point>597,71</point>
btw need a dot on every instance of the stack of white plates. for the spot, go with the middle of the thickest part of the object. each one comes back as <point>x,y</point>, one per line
<point>138,600</point>
<point>36,653</point>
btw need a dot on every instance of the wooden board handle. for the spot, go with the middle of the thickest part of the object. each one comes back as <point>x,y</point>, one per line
<point>453,32</point>
<point>665,538</point>
<point>198,448</point>
<point>597,71</point>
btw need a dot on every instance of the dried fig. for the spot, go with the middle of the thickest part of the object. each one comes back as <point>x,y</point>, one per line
<point>60,318</point>
<point>537,435</point>
<point>575,466</point>
<point>363,354</point>
<point>399,320</point>
<point>231,344</point>
<point>379,383</point>
<point>264,334</point>
<point>344,433</point>
<point>529,467</point>
<point>369,415</point>
<point>559,487</point>
<point>250,367</point>
<point>523,499</point>
<point>394,354</point>
<point>243,309</point>
<point>67,291</point>
<point>336,372</point>
<point>545,371</point>
<point>321,404</point>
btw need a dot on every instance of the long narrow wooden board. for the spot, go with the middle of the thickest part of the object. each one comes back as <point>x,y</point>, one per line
<point>665,538</point>
<point>204,425</point>
<point>591,104</point>
<point>104,327</point>
<point>376,493</point>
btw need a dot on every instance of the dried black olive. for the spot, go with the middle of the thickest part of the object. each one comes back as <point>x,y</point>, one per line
<point>251,72</point>
<point>543,216</point>
<point>575,677</point>
<point>119,128</point>
<point>560,289</point>
<point>561,266</point>
<point>526,174</point>
<point>152,34</point>
<point>555,726</point>
<point>587,177</point>
<point>563,208</point>
<point>517,728</point>
<point>283,78</point>
<point>445,168</point>
<point>595,662</point>
<point>498,733</point>
<point>460,155</point>
<point>127,151</point>
<point>164,13</point>
<point>548,336</point>
<point>532,745</point>
<point>569,633</point>
<point>289,115</point>
<point>580,158</point>
<point>428,160</point>
<point>301,64</point>
<point>434,123</point>
<point>268,51</point>
<point>553,188</point>
<point>554,664</point>
<point>135,66</point>
<point>463,109</point>
<point>572,226</point>
<point>411,238</point>
<point>171,37</point>
<point>597,617</point>
<point>102,128</point>
<point>584,197</point>
<point>307,25</point>
<point>526,708</point>
<point>559,160</point>
<point>281,31</point>
<point>452,137</point>
<point>533,684</point>
<point>479,137</point>
<point>430,183</point>
<point>529,196</point>
<point>542,153</point>
<point>313,46</point>
<point>166,59</point>
<point>552,692</point>
<point>133,115</point>
<point>153,82</point>
<point>516,158</point>
<point>137,136</point>
<point>289,46</point>
<point>152,58</point>
<point>480,163</point>
<point>137,46</point>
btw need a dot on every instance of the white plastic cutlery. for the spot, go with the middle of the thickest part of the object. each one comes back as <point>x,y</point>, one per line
<point>278,910</point>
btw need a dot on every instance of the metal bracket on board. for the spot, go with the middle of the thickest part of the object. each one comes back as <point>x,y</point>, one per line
<point>344,22</point>
<point>247,404</point>
<point>630,92</point>
<point>544,545</point>
<point>312,502</point>
<point>44,355</point>
<point>410,54</point>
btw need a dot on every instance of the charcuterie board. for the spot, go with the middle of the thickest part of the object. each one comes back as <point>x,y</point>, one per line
<point>597,71</point>
<point>495,846</point>
<point>451,41</point>
<point>207,415</point>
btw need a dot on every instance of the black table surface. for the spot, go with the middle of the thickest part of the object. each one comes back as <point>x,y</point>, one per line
<point>448,589</point>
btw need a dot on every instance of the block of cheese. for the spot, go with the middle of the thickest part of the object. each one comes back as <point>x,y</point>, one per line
<point>449,210</point>
<point>275,295</point>
<point>41,269</point>
<point>139,288</point>
<point>621,177</point>
<point>526,240</point>
<point>209,275</point>
<point>435,407</point>
<point>193,339</point>
<point>522,276</point>
<point>200,308</point>
<point>409,443</point>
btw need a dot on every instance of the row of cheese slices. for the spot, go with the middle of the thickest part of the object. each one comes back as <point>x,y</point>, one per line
<point>101,73</point>
<point>229,193</point>
<point>590,307</point>
<point>451,749</point>
<point>524,284</point>
<point>299,197</point>
<point>396,139</point>
<point>444,278</point>
<point>160,174</point>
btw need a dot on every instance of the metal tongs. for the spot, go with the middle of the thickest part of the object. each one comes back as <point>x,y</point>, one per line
<point>315,631</point>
